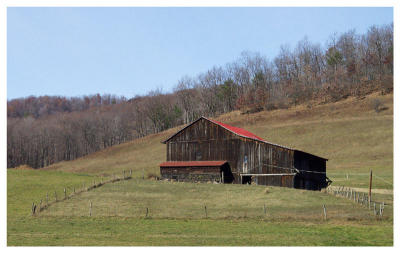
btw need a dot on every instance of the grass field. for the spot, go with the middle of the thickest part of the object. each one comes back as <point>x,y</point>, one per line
<point>133,231</point>
<point>235,216</point>
<point>167,200</point>
<point>350,133</point>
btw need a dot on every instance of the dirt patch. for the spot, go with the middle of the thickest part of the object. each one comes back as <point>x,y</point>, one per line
<point>23,167</point>
<point>379,191</point>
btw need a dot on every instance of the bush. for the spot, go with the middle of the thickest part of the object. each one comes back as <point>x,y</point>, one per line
<point>378,105</point>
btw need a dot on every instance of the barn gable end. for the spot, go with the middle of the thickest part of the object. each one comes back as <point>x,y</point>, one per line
<point>248,157</point>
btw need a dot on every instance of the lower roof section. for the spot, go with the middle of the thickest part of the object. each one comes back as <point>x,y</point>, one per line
<point>193,163</point>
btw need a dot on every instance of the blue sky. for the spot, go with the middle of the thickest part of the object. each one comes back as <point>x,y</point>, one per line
<point>130,51</point>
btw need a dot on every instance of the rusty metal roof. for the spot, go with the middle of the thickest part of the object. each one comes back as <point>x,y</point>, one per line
<point>193,163</point>
<point>237,130</point>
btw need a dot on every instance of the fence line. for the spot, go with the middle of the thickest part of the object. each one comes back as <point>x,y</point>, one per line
<point>35,209</point>
<point>357,197</point>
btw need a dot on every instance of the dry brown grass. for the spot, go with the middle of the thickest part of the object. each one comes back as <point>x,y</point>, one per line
<point>23,167</point>
<point>350,133</point>
<point>177,200</point>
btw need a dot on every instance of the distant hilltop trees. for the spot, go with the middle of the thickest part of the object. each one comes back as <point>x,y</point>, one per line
<point>44,130</point>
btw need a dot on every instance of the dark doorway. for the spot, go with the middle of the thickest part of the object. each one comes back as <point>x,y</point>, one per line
<point>226,174</point>
<point>246,180</point>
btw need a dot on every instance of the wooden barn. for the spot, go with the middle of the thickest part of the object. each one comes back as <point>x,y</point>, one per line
<point>208,150</point>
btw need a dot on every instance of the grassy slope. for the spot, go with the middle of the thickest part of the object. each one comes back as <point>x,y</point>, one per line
<point>166,200</point>
<point>349,133</point>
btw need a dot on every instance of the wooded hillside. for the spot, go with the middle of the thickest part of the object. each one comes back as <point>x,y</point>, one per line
<point>45,130</point>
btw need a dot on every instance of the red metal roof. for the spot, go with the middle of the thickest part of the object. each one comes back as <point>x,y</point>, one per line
<point>238,131</point>
<point>193,163</point>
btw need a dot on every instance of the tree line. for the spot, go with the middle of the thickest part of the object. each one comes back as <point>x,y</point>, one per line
<point>45,130</point>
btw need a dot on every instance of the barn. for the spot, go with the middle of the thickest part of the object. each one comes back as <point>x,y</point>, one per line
<point>208,150</point>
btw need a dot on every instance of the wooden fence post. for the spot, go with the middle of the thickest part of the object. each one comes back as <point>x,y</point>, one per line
<point>33,208</point>
<point>143,174</point>
<point>130,173</point>
<point>323,206</point>
<point>90,208</point>
<point>147,211</point>
<point>123,174</point>
<point>370,186</point>
<point>205,210</point>
<point>223,180</point>
<point>65,193</point>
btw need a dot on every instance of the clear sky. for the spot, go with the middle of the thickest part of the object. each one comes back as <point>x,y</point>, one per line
<point>130,51</point>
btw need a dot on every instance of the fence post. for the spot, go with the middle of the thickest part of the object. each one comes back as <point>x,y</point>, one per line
<point>147,211</point>
<point>143,174</point>
<point>90,208</point>
<point>33,208</point>
<point>223,177</point>
<point>130,173</point>
<point>55,195</point>
<point>265,209</point>
<point>65,193</point>
<point>370,185</point>
<point>205,210</point>
<point>324,211</point>
<point>374,208</point>
<point>47,198</point>
<point>123,174</point>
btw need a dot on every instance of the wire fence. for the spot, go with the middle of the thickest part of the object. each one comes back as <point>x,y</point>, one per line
<point>68,193</point>
<point>358,197</point>
<point>146,209</point>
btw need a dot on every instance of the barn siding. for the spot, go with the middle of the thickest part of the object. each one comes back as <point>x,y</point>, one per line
<point>192,174</point>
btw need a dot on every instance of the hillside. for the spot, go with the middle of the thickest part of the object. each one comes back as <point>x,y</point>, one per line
<point>350,133</point>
